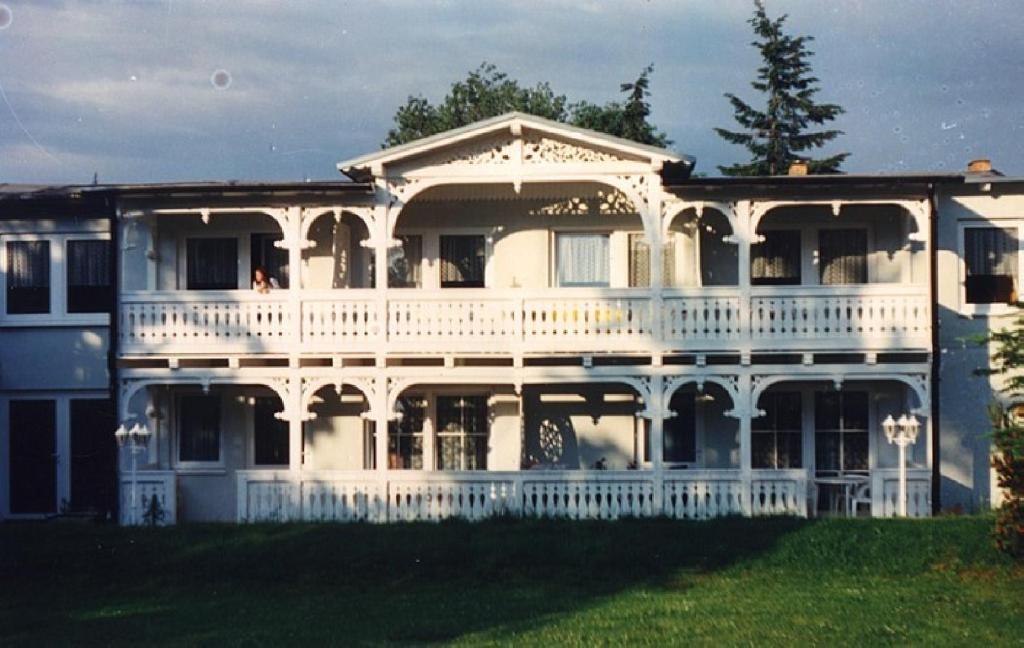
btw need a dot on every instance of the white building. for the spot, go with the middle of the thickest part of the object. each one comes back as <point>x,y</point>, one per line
<point>528,318</point>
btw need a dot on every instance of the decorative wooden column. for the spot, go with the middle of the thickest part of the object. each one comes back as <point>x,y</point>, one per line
<point>656,413</point>
<point>744,411</point>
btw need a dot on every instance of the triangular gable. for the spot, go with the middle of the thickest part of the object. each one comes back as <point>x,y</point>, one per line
<point>511,139</point>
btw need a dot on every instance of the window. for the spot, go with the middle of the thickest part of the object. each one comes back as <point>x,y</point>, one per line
<point>462,261</point>
<point>462,432</point>
<point>776,437</point>
<point>640,263</point>
<point>405,263</point>
<point>211,264</point>
<point>28,277</point>
<point>775,261</point>
<point>270,434</point>
<point>582,260</point>
<point>264,254</point>
<point>680,431</point>
<point>93,454</point>
<point>841,431</point>
<point>88,268</point>
<point>405,436</point>
<point>199,428</point>
<point>991,258</point>
<point>843,256</point>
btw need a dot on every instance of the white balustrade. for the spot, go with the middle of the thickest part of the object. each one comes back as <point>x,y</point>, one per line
<point>875,316</point>
<point>149,484</point>
<point>417,497</point>
<point>596,320</point>
<point>700,495</point>
<point>919,493</point>
<point>588,497</point>
<point>868,315</point>
<point>339,320</point>
<point>706,316</point>
<point>187,321</point>
<point>778,492</point>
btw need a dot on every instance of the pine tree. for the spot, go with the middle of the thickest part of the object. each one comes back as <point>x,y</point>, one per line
<point>779,135</point>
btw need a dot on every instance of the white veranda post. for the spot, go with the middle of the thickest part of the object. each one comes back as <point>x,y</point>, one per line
<point>902,432</point>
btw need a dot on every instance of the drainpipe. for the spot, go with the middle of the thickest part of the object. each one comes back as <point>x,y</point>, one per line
<point>112,341</point>
<point>933,267</point>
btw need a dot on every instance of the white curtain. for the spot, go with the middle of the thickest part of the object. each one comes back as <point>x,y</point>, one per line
<point>990,251</point>
<point>28,264</point>
<point>843,256</point>
<point>583,260</point>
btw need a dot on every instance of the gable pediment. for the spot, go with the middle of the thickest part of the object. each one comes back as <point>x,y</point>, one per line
<point>531,144</point>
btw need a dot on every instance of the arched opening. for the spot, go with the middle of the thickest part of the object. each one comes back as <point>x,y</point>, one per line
<point>212,252</point>
<point>836,436</point>
<point>582,234</point>
<point>337,258</point>
<point>580,426</point>
<point>339,436</point>
<point>701,250</point>
<point>700,433</point>
<point>864,244</point>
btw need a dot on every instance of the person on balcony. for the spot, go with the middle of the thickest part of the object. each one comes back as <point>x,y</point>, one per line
<point>262,282</point>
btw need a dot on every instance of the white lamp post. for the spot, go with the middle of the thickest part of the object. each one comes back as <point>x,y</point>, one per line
<point>902,432</point>
<point>136,439</point>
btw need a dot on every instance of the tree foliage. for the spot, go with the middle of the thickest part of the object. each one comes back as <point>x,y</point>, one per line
<point>1007,362</point>
<point>781,133</point>
<point>487,92</point>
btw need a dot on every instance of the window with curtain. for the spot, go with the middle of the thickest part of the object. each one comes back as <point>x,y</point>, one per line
<point>405,436</point>
<point>843,256</point>
<point>28,277</point>
<point>582,260</point>
<point>679,436</point>
<point>88,267</point>
<point>405,263</point>
<point>775,261</point>
<point>264,254</point>
<point>991,257</point>
<point>640,263</point>
<point>211,263</point>
<point>199,428</point>
<point>462,430</point>
<point>776,437</point>
<point>841,431</point>
<point>270,434</point>
<point>462,261</point>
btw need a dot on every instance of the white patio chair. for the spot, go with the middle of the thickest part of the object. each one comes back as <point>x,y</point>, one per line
<point>861,495</point>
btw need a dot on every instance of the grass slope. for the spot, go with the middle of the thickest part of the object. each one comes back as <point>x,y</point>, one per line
<point>768,581</point>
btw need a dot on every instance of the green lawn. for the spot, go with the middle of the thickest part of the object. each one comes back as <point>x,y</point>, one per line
<point>735,581</point>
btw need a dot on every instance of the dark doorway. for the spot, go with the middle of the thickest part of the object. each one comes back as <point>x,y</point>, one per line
<point>270,434</point>
<point>93,456</point>
<point>33,445</point>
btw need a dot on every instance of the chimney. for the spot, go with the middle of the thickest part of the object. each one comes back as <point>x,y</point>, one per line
<point>798,168</point>
<point>982,165</point>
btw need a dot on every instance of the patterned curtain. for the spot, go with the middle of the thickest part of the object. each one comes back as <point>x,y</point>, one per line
<point>89,263</point>
<point>583,260</point>
<point>28,264</point>
<point>990,251</point>
<point>776,260</point>
<point>640,263</point>
<point>462,261</point>
<point>405,263</point>
<point>843,256</point>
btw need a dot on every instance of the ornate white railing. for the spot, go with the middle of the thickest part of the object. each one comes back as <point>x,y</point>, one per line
<point>876,316</point>
<point>277,496</point>
<point>149,484</point>
<point>712,317</point>
<point>702,494</point>
<point>203,320</point>
<point>919,492</point>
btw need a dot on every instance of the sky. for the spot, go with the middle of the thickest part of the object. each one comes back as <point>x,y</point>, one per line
<point>175,90</point>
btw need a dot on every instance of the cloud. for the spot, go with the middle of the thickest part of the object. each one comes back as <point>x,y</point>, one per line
<point>125,86</point>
